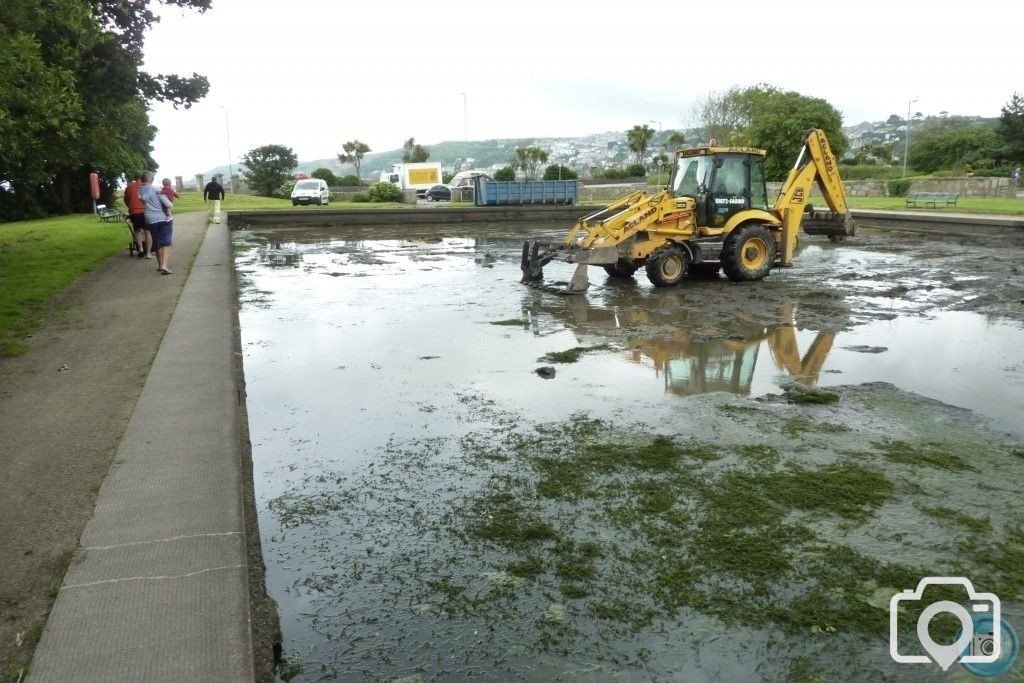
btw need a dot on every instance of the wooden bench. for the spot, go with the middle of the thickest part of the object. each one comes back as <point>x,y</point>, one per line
<point>108,215</point>
<point>933,199</point>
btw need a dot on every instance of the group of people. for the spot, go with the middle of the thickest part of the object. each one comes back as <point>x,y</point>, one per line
<point>149,211</point>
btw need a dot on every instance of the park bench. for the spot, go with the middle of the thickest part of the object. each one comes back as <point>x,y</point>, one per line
<point>107,214</point>
<point>933,199</point>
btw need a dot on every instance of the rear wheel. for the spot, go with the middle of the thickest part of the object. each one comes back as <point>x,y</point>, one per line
<point>666,267</point>
<point>621,268</point>
<point>748,253</point>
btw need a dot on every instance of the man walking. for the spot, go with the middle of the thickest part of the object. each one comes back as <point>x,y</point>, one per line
<point>137,216</point>
<point>158,221</point>
<point>214,192</point>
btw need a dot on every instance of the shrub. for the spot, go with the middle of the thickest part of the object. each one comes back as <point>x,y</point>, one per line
<point>614,174</point>
<point>384,192</point>
<point>360,197</point>
<point>557,172</point>
<point>505,174</point>
<point>326,175</point>
<point>996,172</point>
<point>349,181</point>
<point>446,177</point>
<point>636,171</point>
<point>897,188</point>
<point>285,191</point>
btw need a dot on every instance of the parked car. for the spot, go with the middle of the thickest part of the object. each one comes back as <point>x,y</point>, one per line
<point>438,193</point>
<point>311,191</point>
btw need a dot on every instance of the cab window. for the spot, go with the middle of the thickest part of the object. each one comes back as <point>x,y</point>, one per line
<point>758,193</point>
<point>690,176</point>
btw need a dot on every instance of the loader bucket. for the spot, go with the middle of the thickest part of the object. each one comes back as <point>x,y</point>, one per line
<point>836,226</point>
<point>537,255</point>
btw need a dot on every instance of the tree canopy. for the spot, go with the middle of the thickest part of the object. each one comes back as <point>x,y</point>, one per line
<point>413,153</point>
<point>529,160</point>
<point>73,99</point>
<point>269,167</point>
<point>765,117</point>
<point>1011,128</point>
<point>952,148</point>
<point>353,152</point>
<point>638,137</point>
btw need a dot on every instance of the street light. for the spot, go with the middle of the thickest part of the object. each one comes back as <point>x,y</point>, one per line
<point>465,118</point>
<point>227,130</point>
<point>906,139</point>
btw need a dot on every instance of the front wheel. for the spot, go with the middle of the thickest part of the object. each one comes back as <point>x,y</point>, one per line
<point>666,267</point>
<point>430,198</point>
<point>748,253</point>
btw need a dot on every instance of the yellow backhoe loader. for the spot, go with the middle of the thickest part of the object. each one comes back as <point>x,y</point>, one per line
<point>713,216</point>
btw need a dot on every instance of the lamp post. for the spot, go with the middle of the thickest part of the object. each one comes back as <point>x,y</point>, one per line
<point>906,139</point>
<point>227,130</point>
<point>465,118</point>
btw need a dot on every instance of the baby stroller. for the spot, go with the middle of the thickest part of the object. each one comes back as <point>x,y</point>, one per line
<point>133,248</point>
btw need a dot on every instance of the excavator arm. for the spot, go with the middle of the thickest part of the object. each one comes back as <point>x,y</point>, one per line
<point>814,165</point>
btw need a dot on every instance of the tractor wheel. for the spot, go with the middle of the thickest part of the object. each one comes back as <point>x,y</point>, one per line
<point>666,267</point>
<point>706,271</point>
<point>621,268</point>
<point>748,253</point>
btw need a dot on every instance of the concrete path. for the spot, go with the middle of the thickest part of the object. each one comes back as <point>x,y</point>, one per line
<point>937,220</point>
<point>158,590</point>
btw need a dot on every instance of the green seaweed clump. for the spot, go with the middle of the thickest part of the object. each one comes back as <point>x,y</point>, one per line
<point>571,355</point>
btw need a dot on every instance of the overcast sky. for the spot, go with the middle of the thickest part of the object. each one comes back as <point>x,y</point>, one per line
<point>312,74</point>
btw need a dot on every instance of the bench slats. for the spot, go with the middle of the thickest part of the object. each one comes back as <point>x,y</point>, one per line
<point>932,199</point>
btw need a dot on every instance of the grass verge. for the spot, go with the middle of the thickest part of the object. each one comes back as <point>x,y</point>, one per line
<point>38,259</point>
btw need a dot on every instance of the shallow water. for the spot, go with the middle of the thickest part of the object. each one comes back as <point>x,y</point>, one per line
<point>368,360</point>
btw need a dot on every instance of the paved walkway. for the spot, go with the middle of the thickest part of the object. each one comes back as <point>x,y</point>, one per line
<point>158,590</point>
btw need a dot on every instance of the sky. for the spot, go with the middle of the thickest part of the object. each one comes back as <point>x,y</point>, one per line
<point>313,74</point>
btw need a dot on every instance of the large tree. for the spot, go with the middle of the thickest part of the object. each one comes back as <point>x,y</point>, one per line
<point>353,153</point>
<point>638,137</point>
<point>269,167</point>
<point>1011,128</point>
<point>413,153</point>
<point>73,98</point>
<point>774,120</point>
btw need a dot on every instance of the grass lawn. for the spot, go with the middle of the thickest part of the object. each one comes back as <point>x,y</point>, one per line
<point>38,259</point>
<point>998,205</point>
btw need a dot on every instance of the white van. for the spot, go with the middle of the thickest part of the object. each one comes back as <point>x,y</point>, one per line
<point>311,191</point>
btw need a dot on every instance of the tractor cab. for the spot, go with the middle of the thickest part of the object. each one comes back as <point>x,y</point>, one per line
<point>722,181</point>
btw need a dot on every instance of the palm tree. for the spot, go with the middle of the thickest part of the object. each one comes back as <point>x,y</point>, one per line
<point>638,138</point>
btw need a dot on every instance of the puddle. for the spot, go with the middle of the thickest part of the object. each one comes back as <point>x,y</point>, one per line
<point>392,405</point>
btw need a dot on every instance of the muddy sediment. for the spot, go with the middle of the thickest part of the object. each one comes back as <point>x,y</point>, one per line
<point>721,480</point>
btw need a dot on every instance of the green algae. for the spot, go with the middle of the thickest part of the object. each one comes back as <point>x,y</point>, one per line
<point>571,355</point>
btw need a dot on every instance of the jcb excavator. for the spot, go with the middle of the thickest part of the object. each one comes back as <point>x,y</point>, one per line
<point>713,215</point>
